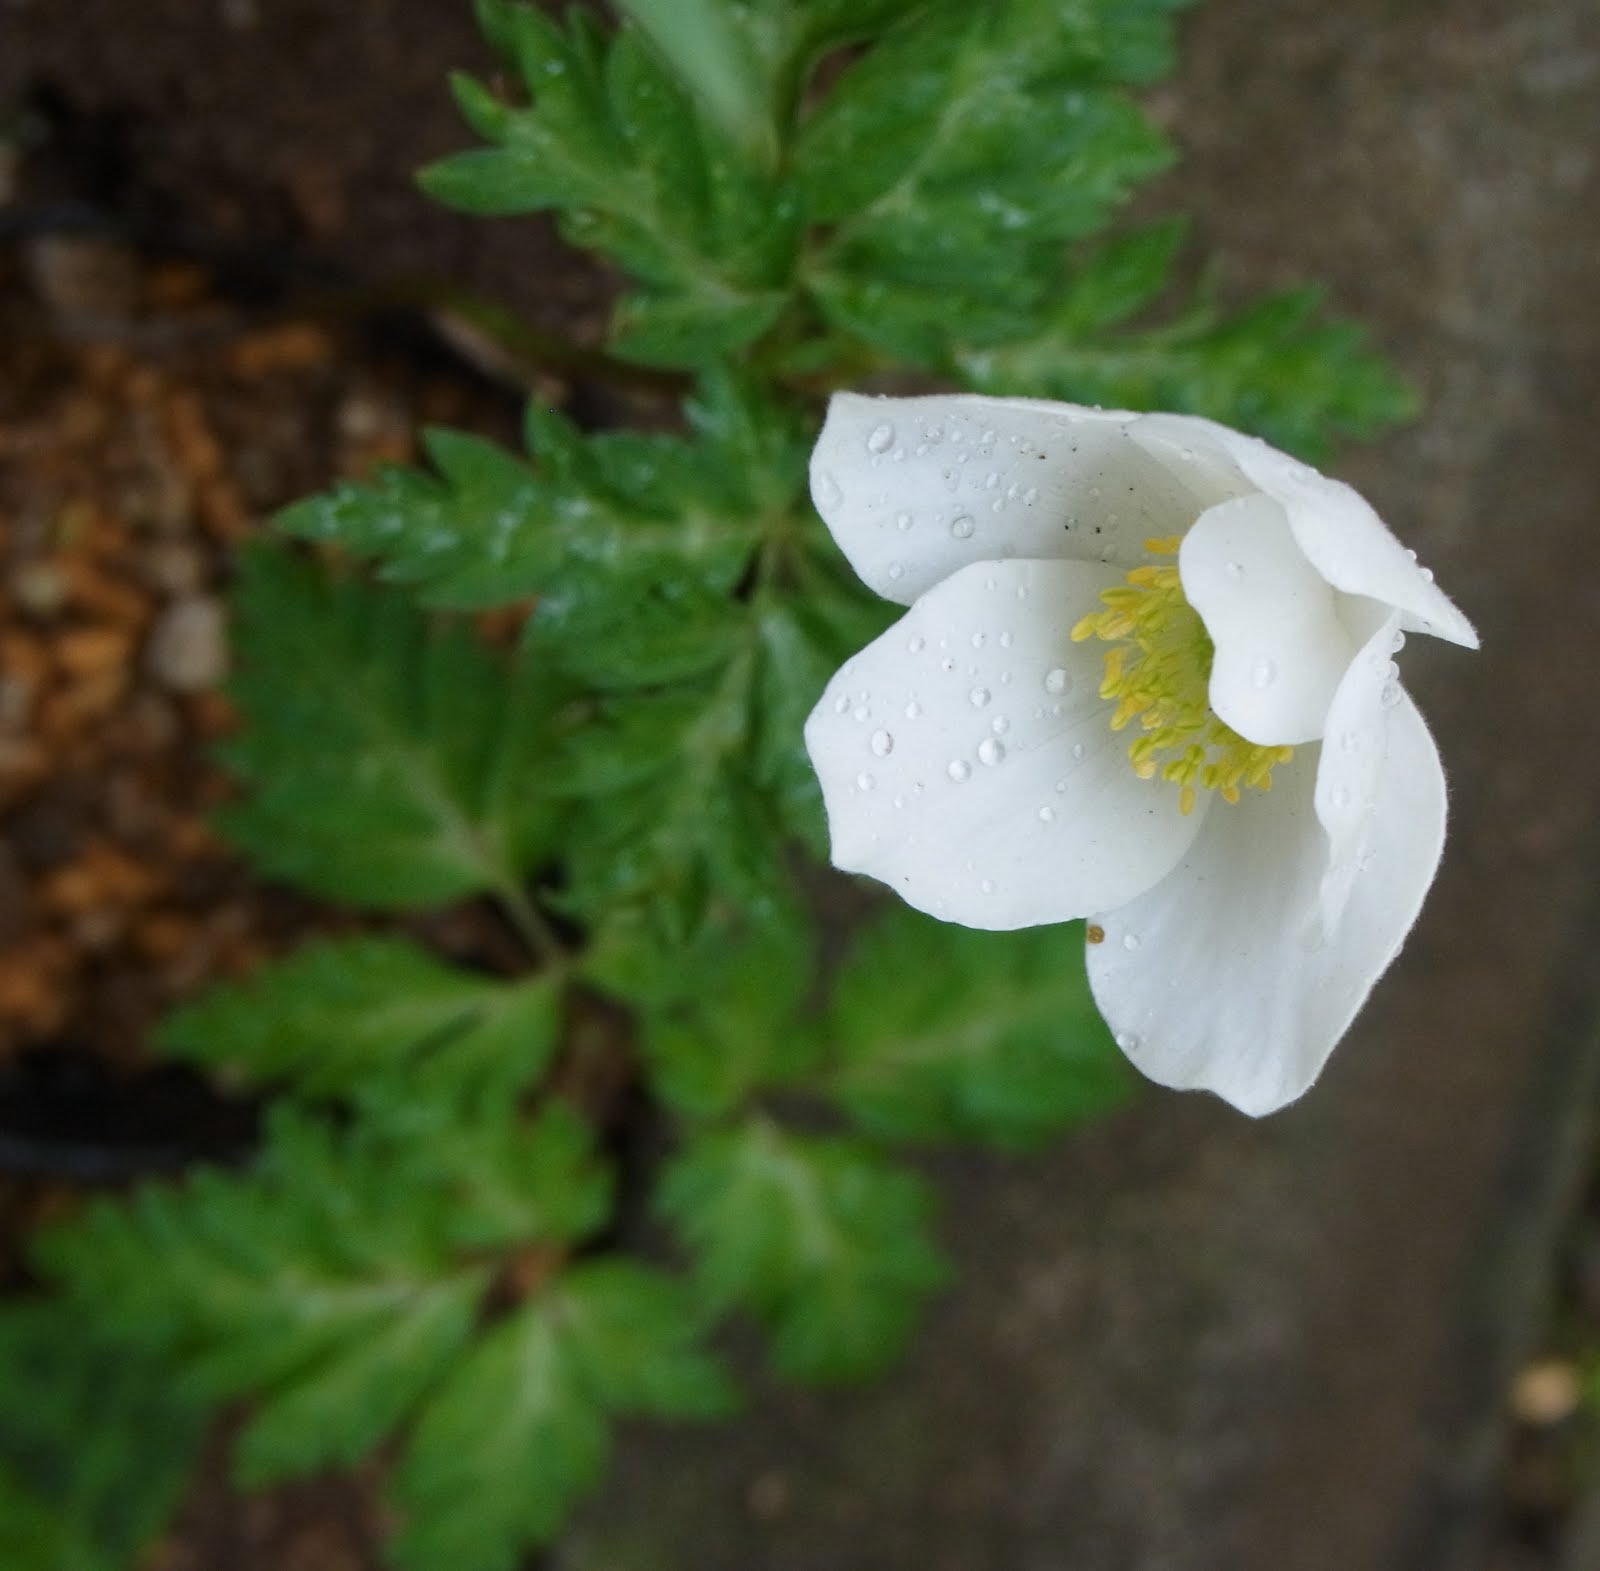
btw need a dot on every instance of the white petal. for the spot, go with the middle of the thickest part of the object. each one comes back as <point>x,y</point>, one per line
<point>1338,531</point>
<point>967,759</point>
<point>1281,646</point>
<point>1350,770</point>
<point>915,488</point>
<point>1221,977</point>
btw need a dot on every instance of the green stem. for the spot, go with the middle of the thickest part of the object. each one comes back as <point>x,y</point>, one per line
<point>532,925</point>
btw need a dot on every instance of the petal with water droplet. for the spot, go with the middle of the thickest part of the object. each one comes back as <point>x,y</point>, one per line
<point>970,803</point>
<point>1097,496</point>
<point>1236,986</point>
<point>1281,643</point>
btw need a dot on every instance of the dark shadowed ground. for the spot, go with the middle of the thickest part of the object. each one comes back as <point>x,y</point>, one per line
<point>1183,1342</point>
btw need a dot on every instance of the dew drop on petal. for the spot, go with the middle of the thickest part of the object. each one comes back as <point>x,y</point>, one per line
<point>1427,574</point>
<point>1127,1041</point>
<point>979,697</point>
<point>897,570</point>
<point>1005,640</point>
<point>864,781</point>
<point>841,705</point>
<point>1061,786</point>
<point>917,645</point>
<point>959,769</point>
<point>962,527</point>
<point>1047,814</point>
<point>828,490</point>
<point>913,709</point>
<point>986,436</point>
<point>899,801</point>
<point>1263,673</point>
<point>987,886</point>
<point>1390,696</point>
<point>859,713</point>
<point>1340,796</point>
<point>882,744</point>
<point>999,725</point>
<point>881,439</point>
<point>1130,941</point>
<point>1398,644</point>
<point>1349,741</point>
<point>979,640</point>
<point>1235,570</point>
<point>1057,681</point>
<point>902,521</point>
<point>990,751</point>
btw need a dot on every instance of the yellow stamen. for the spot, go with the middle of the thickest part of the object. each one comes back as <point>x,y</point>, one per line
<point>1158,672</point>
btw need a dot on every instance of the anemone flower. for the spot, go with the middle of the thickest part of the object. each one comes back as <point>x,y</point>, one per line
<point>1146,678</point>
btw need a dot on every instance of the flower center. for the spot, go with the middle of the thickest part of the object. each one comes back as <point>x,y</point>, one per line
<point>1159,673</point>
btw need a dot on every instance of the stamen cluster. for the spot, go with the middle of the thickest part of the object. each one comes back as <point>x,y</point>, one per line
<point>1159,673</point>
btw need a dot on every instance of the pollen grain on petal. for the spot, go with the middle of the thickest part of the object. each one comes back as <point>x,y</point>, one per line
<point>1158,673</point>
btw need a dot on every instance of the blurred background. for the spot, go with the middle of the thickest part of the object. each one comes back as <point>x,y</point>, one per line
<point>1364,1335</point>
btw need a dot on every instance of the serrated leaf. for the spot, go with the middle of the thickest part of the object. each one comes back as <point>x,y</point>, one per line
<point>369,1017</point>
<point>339,1279</point>
<point>1280,368</point>
<point>390,761</point>
<point>95,1446</point>
<point>611,141</point>
<point>520,1430</point>
<point>944,1033</point>
<point>502,1453</point>
<point>955,158</point>
<point>822,1239</point>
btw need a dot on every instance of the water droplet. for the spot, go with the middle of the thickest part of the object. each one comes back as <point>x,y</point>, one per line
<point>1427,574</point>
<point>991,481</point>
<point>882,744</point>
<point>1340,796</point>
<point>1235,570</point>
<point>1030,496</point>
<point>1005,640</point>
<point>899,801</point>
<point>1411,555</point>
<point>934,433</point>
<point>859,713</point>
<point>1349,741</point>
<point>1398,644</point>
<point>986,436</point>
<point>987,886</point>
<point>990,751</point>
<point>902,521</point>
<point>979,640</point>
<point>1263,673</point>
<point>1047,814</point>
<point>828,491</point>
<point>897,570</point>
<point>962,527</point>
<point>979,697</point>
<point>999,725</point>
<point>841,705</point>
<point>1094,493</point>
<point>1391,695</point>
<point>1130,941</point>
<point>1022,591</point>
<point>1057,681</point>
<point>959,769</point>
<point>882,438</point>
<point>917,645</point>
<point>1127,1041</point>
<point>1078,750</point>
<point>864,781</point>
<point>913,709</point>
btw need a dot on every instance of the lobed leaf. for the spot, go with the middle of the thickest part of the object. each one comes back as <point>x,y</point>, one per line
<point>940,1032</point>
<point>821,1238</point>
<point>390,761</point>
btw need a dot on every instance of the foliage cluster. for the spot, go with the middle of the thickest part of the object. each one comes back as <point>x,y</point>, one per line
<point>431,1258</point>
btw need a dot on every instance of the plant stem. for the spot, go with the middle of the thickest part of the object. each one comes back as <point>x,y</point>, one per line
<point>531,924</point>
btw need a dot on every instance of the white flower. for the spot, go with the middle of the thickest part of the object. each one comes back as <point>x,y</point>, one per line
<point>1146,678</point>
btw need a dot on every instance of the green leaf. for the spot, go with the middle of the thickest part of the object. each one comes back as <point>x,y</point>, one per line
<point>95,1446</point>
<point>956,158</point>
<point>336,1282</point>
<point>613,143</point>
<point>519,1432</point>
<point>944,1033</point>
<point>391,762</point>
<point>821,1238</point>
<point>366,1018</point>
<point>1280,368</point>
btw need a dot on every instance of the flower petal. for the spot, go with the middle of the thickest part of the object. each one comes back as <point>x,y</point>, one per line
<point>967,759</point>
<point>1338,531</point>
<point>1281,646</point>
<point>915,488</point>
<point>1222,977</point>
